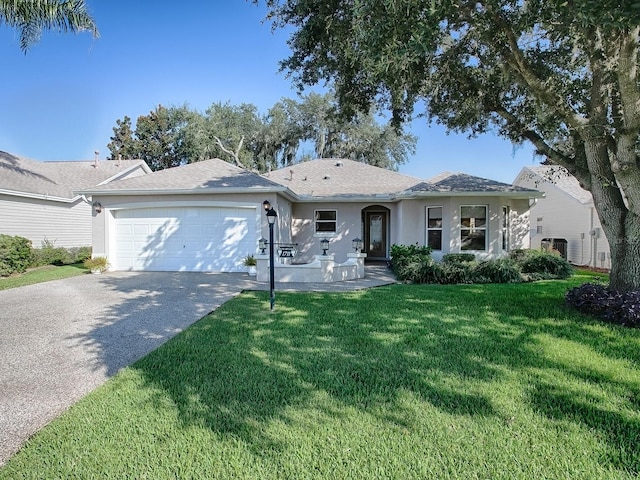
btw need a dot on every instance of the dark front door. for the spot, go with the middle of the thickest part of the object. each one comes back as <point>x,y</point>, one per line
<point>375,225</point>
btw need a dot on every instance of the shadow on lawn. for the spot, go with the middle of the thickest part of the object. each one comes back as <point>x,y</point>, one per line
<point>243,366</point>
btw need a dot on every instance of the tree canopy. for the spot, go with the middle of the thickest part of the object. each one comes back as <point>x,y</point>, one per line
<point>32,17</point>
<point>239,134</point>
<point>561,74</point>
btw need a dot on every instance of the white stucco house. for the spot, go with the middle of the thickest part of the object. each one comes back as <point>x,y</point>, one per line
<point>207,216</point>
<point>565,218</point>
<point>38,199</point>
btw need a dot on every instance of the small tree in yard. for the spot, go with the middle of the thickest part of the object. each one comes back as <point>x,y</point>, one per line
<point>562,75</point>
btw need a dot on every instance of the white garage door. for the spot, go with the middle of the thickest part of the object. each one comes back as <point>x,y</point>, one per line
<point>192,239</point>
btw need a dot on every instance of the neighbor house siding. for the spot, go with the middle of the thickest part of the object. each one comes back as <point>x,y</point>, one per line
<point>63,224</point>
<point>559,215</point>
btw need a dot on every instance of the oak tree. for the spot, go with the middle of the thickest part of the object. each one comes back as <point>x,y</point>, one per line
<point>561,74</point>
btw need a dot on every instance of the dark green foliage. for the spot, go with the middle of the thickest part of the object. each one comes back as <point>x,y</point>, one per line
<point>410,262</point>
<point>542,264</point>
<point>413,264</point>
<point>458,257</point>
<point>501,270</point>
<point>241,135</point>
<point>15,254</point>
<point>49,254</point>
<point>622,308</point>
<point>455,273</point>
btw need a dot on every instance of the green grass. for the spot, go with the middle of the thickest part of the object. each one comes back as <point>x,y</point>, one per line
<point>404,381</point>
<point>42,274</point>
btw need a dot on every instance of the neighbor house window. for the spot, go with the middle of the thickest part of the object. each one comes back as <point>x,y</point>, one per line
<point>434,227</point>
<point>326,221</point>
<point>473,227</point>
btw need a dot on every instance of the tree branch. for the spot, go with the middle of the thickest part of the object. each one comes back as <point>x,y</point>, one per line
<point>236,154</point>
<point>519,65</point>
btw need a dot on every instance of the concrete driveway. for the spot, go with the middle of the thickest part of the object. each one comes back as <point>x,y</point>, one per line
<point>59,340</point>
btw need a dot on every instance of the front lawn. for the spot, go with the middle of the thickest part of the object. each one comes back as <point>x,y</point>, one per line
<point>42,274</point>
<point>405,381</point>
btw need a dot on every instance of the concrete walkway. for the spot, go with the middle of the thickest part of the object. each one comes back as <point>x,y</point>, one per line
<point>59,340</point>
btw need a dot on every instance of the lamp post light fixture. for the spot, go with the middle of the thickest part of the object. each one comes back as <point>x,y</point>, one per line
<point>271,218</point>
<point>324,245</point>
<point>262,245</point>
<point>356,243</point>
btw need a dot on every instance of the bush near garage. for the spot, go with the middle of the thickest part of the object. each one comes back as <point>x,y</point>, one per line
<point>15,254</point>
<point>414,264</point>
<point>49,254</point>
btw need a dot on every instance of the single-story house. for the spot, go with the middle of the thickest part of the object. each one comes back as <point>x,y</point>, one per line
<point>207,216</point>
<point>565,219</point>
<point>38,199</point>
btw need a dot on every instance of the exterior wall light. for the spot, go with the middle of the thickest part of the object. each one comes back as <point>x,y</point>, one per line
<point>97,207</point>
<point>356,243</point>
<point>324,245</point>
<point>262,245</point>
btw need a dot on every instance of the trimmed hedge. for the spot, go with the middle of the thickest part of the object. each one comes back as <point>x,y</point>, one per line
<point>542,264</point>
<point>413,264</point>
<point>15,255</point>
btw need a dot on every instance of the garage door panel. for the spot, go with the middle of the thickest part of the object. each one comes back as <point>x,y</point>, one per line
<point>184,238</point>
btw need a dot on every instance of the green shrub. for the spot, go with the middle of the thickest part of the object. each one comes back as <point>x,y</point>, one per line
<point>501,270</point>
<point>79,254</point>
<point>455,273</point>
<point>408,260</point>
<point>15,254</point>
<point>49,254</point>
<point>543,264</point>
<point>458,258</point>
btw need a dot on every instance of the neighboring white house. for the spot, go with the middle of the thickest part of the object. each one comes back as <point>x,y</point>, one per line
<point>207,216</point>
<point>565,217</point>
<point>37,199</point>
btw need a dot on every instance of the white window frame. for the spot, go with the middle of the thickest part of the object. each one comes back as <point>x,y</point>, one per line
<point>473,227</point>
<point>506,228</point>
<point>316,221</point>
<point>432,229</point>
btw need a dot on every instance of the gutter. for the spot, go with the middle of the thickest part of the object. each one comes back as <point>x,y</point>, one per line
<point>39,196</point>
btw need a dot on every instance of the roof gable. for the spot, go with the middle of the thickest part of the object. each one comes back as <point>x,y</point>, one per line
<point>560,178</point>
<point>60,180</point>
<point>448,182</point>
<point>194,177</point>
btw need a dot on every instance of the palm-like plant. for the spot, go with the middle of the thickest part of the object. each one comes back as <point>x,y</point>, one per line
<point>31,17</point>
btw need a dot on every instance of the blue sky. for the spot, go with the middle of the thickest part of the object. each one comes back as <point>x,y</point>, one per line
<point>61,100</point>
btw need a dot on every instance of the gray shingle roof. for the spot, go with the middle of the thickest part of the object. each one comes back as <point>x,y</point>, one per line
<point>335,178</point>
<point>195,177</point>
<point>560,178</point>
<point>448,182</point>
<point>57,179</point>
<point>330,177</point>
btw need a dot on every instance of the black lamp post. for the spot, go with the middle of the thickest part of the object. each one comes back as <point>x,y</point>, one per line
<point>271,218</point>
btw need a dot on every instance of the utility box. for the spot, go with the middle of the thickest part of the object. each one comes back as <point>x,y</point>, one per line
<point>559,244</point>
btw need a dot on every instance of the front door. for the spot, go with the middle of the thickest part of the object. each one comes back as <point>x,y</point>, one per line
<point>375,227</point>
